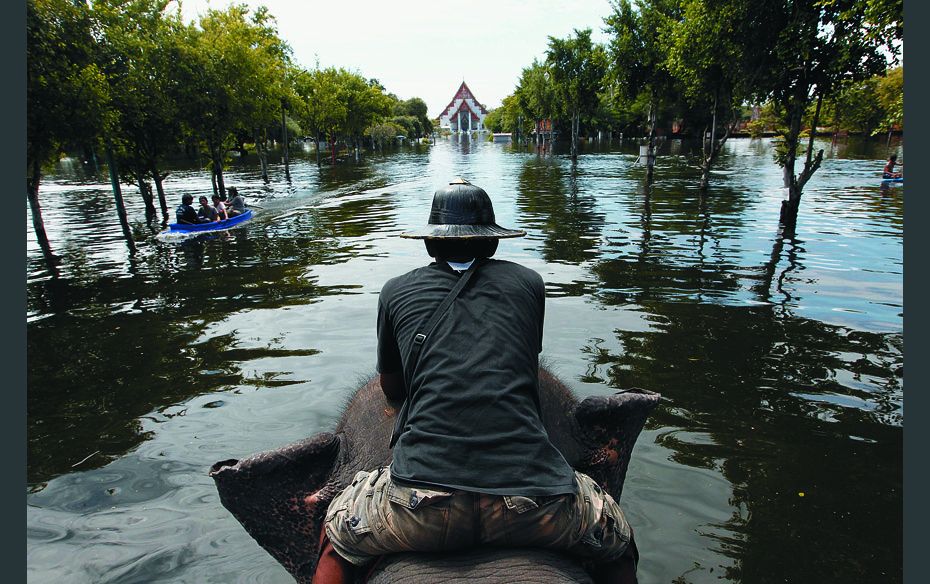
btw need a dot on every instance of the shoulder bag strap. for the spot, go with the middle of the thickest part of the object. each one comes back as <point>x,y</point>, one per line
<point>420,337</point>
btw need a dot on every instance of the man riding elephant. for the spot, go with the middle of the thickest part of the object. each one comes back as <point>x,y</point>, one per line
<point>459,343</point>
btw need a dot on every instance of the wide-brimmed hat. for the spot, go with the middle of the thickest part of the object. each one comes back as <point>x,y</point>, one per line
<point>462,210</point>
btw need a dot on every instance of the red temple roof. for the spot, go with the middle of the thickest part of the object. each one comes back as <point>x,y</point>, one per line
<point>463,93</point>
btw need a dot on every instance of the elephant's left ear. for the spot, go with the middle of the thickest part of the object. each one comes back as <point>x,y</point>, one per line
<point>609,428</point>
<point>280,497</point>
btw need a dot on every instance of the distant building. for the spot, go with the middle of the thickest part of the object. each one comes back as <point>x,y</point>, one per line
<point>464,113</point>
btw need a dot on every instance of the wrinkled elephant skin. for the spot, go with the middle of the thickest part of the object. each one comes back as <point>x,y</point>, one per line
<point>280,497</point>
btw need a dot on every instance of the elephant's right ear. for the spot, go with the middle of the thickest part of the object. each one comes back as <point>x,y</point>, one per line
<point>281,496</point>
<point>609,427</point>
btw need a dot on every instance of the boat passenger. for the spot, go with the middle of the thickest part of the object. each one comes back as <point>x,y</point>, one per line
<point>207,212</point>
<point>220,208</point>
<point>236,203</point>
<point>888,171</point>
<point>185,213</point>
<point>473,445</point>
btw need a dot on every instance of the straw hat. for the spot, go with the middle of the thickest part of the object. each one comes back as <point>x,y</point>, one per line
<point>462,210</point>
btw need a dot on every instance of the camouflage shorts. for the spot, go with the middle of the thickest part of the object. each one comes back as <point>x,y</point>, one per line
<point>376,515</point>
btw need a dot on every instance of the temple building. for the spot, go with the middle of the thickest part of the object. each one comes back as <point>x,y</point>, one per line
<point>464,113</point>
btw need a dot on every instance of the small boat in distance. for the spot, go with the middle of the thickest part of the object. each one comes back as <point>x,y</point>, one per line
<point>214,226</point>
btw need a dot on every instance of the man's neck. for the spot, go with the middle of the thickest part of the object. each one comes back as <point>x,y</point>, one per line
<point>460,266</point>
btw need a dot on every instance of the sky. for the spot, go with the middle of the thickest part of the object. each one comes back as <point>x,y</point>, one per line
<point>420,48</point>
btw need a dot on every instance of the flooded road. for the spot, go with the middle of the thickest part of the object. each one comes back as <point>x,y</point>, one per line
<point>779,359</point>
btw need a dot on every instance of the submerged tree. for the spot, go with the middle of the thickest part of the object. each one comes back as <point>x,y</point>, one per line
<point>805,50</point>
<point>232,73</point>
<point>638,49</point>
<point>706,56</point>
<point>536,96</point>
<point>138,44</point>
<point>576,67</point>
<point>66,92</point>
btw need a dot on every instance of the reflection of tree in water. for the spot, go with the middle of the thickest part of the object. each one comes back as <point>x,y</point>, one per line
<point>678,261</point>
<point>125,346</point>
<point>791,406</point>
<point>549,200</point>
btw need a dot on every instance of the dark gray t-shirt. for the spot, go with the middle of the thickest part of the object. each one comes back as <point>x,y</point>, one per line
<point>474,421</point>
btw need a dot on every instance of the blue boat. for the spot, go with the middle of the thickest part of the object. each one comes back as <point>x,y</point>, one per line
<point>893,180</point>
<point>214,226</point>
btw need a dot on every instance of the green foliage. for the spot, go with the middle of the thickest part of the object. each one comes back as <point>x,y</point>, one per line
<point>890,93</point>
<point>66,92</point>
<point>493,121</point>
<point>756,128</point>
<point>536,92</point>
<point>337,103</point>
<point>384,134</point>
<point>415,108</point>
<point>576,70</point>
<point>640,43</point>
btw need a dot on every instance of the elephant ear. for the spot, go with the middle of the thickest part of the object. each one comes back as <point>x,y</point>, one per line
<point>608,427</point>
<point>281,496</point>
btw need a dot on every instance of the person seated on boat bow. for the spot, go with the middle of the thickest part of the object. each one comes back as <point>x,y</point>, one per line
<point>185,213</point>
<point>236,203</point>
<point>207,212</point>
<point>888,171</point>
<point>220,208</point>
<point>459,341</point>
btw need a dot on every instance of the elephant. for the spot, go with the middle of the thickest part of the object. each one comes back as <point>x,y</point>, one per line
<point>281,496</point>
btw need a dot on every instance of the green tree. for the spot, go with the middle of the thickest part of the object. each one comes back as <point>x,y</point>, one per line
<point>232,70</point>
<point>136,48</point>
<point>365,103</point>
<point>805,51</point>
<point>855,107</point>
<point>536,95</point>
<point>638,50</point>
<point>416,109</point>
<point>576,68</point>
<point>66,92</point>
<point>890,92</point>
<point>706,56</point>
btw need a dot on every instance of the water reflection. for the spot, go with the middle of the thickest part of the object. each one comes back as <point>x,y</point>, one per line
<point>549,201</point>
<point>780,355</point>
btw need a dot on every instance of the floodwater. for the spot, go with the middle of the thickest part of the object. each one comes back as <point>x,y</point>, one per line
<point>775,456</point>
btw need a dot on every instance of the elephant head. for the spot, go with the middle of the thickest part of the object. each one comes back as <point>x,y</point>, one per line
<point>281,496</point>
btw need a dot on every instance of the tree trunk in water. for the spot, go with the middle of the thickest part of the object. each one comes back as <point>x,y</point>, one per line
<point>318,163</point>
<point>574,130</point>
<point>32,194</point>
<point>332,148</point>
<point>287,168</point>
<point>118,198</point>
<point>160,189</point>
<point>262,154</point>
<point>220,186</point>
<point>146,191</point>
<point>708,149</point>
<point>651,151</point>
<point>788,214</point>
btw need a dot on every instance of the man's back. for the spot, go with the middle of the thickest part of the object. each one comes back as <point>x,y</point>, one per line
<point>474,419</point>
<point>186,214</point>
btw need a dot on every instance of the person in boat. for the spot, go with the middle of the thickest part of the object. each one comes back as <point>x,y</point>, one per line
<point>472,461</point>
<point>889,171</point>
<point>185,213</point>
<point>220,208</point>
<point>206,212</point>
<point>236,203</point>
